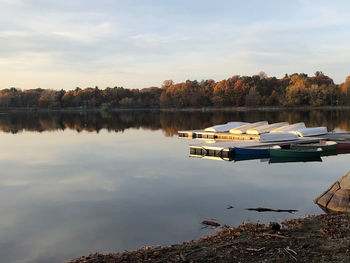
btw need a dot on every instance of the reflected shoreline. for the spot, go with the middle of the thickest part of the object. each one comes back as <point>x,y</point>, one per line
<point>168,121</point>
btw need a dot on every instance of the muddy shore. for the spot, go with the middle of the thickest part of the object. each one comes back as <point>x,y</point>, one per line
<point>321,238</point>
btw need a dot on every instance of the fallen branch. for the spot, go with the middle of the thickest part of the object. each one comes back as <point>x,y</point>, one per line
<point>210,223</point>
<point>255,249</point>
<point>290,254</point>
<point>273,235</point>
<point>264,209</point>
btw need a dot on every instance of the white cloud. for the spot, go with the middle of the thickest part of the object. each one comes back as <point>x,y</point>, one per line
<point>137,45</point>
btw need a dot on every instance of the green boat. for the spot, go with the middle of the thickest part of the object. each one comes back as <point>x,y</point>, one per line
<point>325,146</point>
<point>290,153</point>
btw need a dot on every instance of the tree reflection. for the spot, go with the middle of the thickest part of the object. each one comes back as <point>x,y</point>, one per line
<point>167,121</point>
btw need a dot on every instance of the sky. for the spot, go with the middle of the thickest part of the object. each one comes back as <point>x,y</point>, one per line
<point>140,43</point>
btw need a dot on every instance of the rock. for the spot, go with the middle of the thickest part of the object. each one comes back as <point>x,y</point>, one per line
<point>275,226</point>
<point>340,201</point>
<point>324,199</point>
<point>337,197</point>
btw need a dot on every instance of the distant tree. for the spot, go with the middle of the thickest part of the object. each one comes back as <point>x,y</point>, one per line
<point>219,99</point>
<point>49,99</point>
<point>127,102</point>
<point>167,83</point>
<point>317,73</point>
<point>272,99</point>
<point>253,98</point>
<point>262,75</point>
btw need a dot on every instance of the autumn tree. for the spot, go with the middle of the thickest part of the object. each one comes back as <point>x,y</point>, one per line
<point>253,98</point>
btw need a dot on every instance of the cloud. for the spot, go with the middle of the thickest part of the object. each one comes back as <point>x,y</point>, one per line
<point>138,44</point>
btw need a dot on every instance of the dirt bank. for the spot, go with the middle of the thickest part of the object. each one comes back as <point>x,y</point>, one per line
<point>322,238</point>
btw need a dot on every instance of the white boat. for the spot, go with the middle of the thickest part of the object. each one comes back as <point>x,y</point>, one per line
<point>266,128</point>
<point>292,127</point>
<point>278,137</point>
<point>243,129</point>
<point>307,132</point>
<point>225,127</point>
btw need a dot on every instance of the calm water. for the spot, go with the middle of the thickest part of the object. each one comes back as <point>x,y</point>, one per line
<point>71,184</point>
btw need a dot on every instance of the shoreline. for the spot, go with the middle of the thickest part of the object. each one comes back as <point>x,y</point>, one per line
<point>203,109</point>
<point>315,238</point>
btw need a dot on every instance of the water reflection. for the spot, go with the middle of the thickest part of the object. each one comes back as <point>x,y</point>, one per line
<point>168,121</point>
<point>270,160</point>
<point>119,183</point>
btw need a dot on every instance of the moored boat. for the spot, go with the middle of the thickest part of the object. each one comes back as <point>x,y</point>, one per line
<point>326,146</point>
<point>308,132</point>
<point>253,151</point>
<point>292,127</point>
<point>244,128</point>
<point>294,153</point>
<point>224,127</point>
<point>278,137</point>
<point>343,145</point>
<point>266,128</point>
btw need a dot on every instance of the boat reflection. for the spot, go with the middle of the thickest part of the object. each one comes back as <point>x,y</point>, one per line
<point>274,159</point>
<point>239,158</point>
<point>243,157</point>
<point>217,158</point>
<point>343,151</point>
<point>261,155</point>
<point>236,158</point>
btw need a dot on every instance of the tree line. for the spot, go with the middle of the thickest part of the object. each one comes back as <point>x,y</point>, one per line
<point>257,90</point>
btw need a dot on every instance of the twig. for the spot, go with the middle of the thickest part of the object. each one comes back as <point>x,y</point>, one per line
<point>255,249</point>
<point>273,235</point>
<point>225,245</point>
<point>287,250</point>
<point>291,250</point>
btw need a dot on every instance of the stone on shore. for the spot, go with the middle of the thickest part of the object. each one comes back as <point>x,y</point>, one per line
<point>337,197</point>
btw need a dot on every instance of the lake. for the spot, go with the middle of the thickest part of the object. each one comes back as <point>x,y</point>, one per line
<point>75,183</point>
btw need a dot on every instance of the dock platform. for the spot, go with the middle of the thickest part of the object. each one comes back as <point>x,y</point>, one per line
<point>224,136</point>
<point>227,149</point>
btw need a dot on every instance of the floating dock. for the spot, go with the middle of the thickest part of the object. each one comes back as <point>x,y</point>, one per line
<point>205,150</point>
<point>224,136</point>
<point>227,149</point>
<point>223,144</point>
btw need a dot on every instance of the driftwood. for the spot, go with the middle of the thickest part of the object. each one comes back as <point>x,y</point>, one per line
<point>210,223</point>
<point>263,209</point>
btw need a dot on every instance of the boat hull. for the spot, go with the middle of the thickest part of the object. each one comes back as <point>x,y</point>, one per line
<point>294,153</point>
<point>314,146</point>
<point>252,151</point>
<point>343,146</point>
